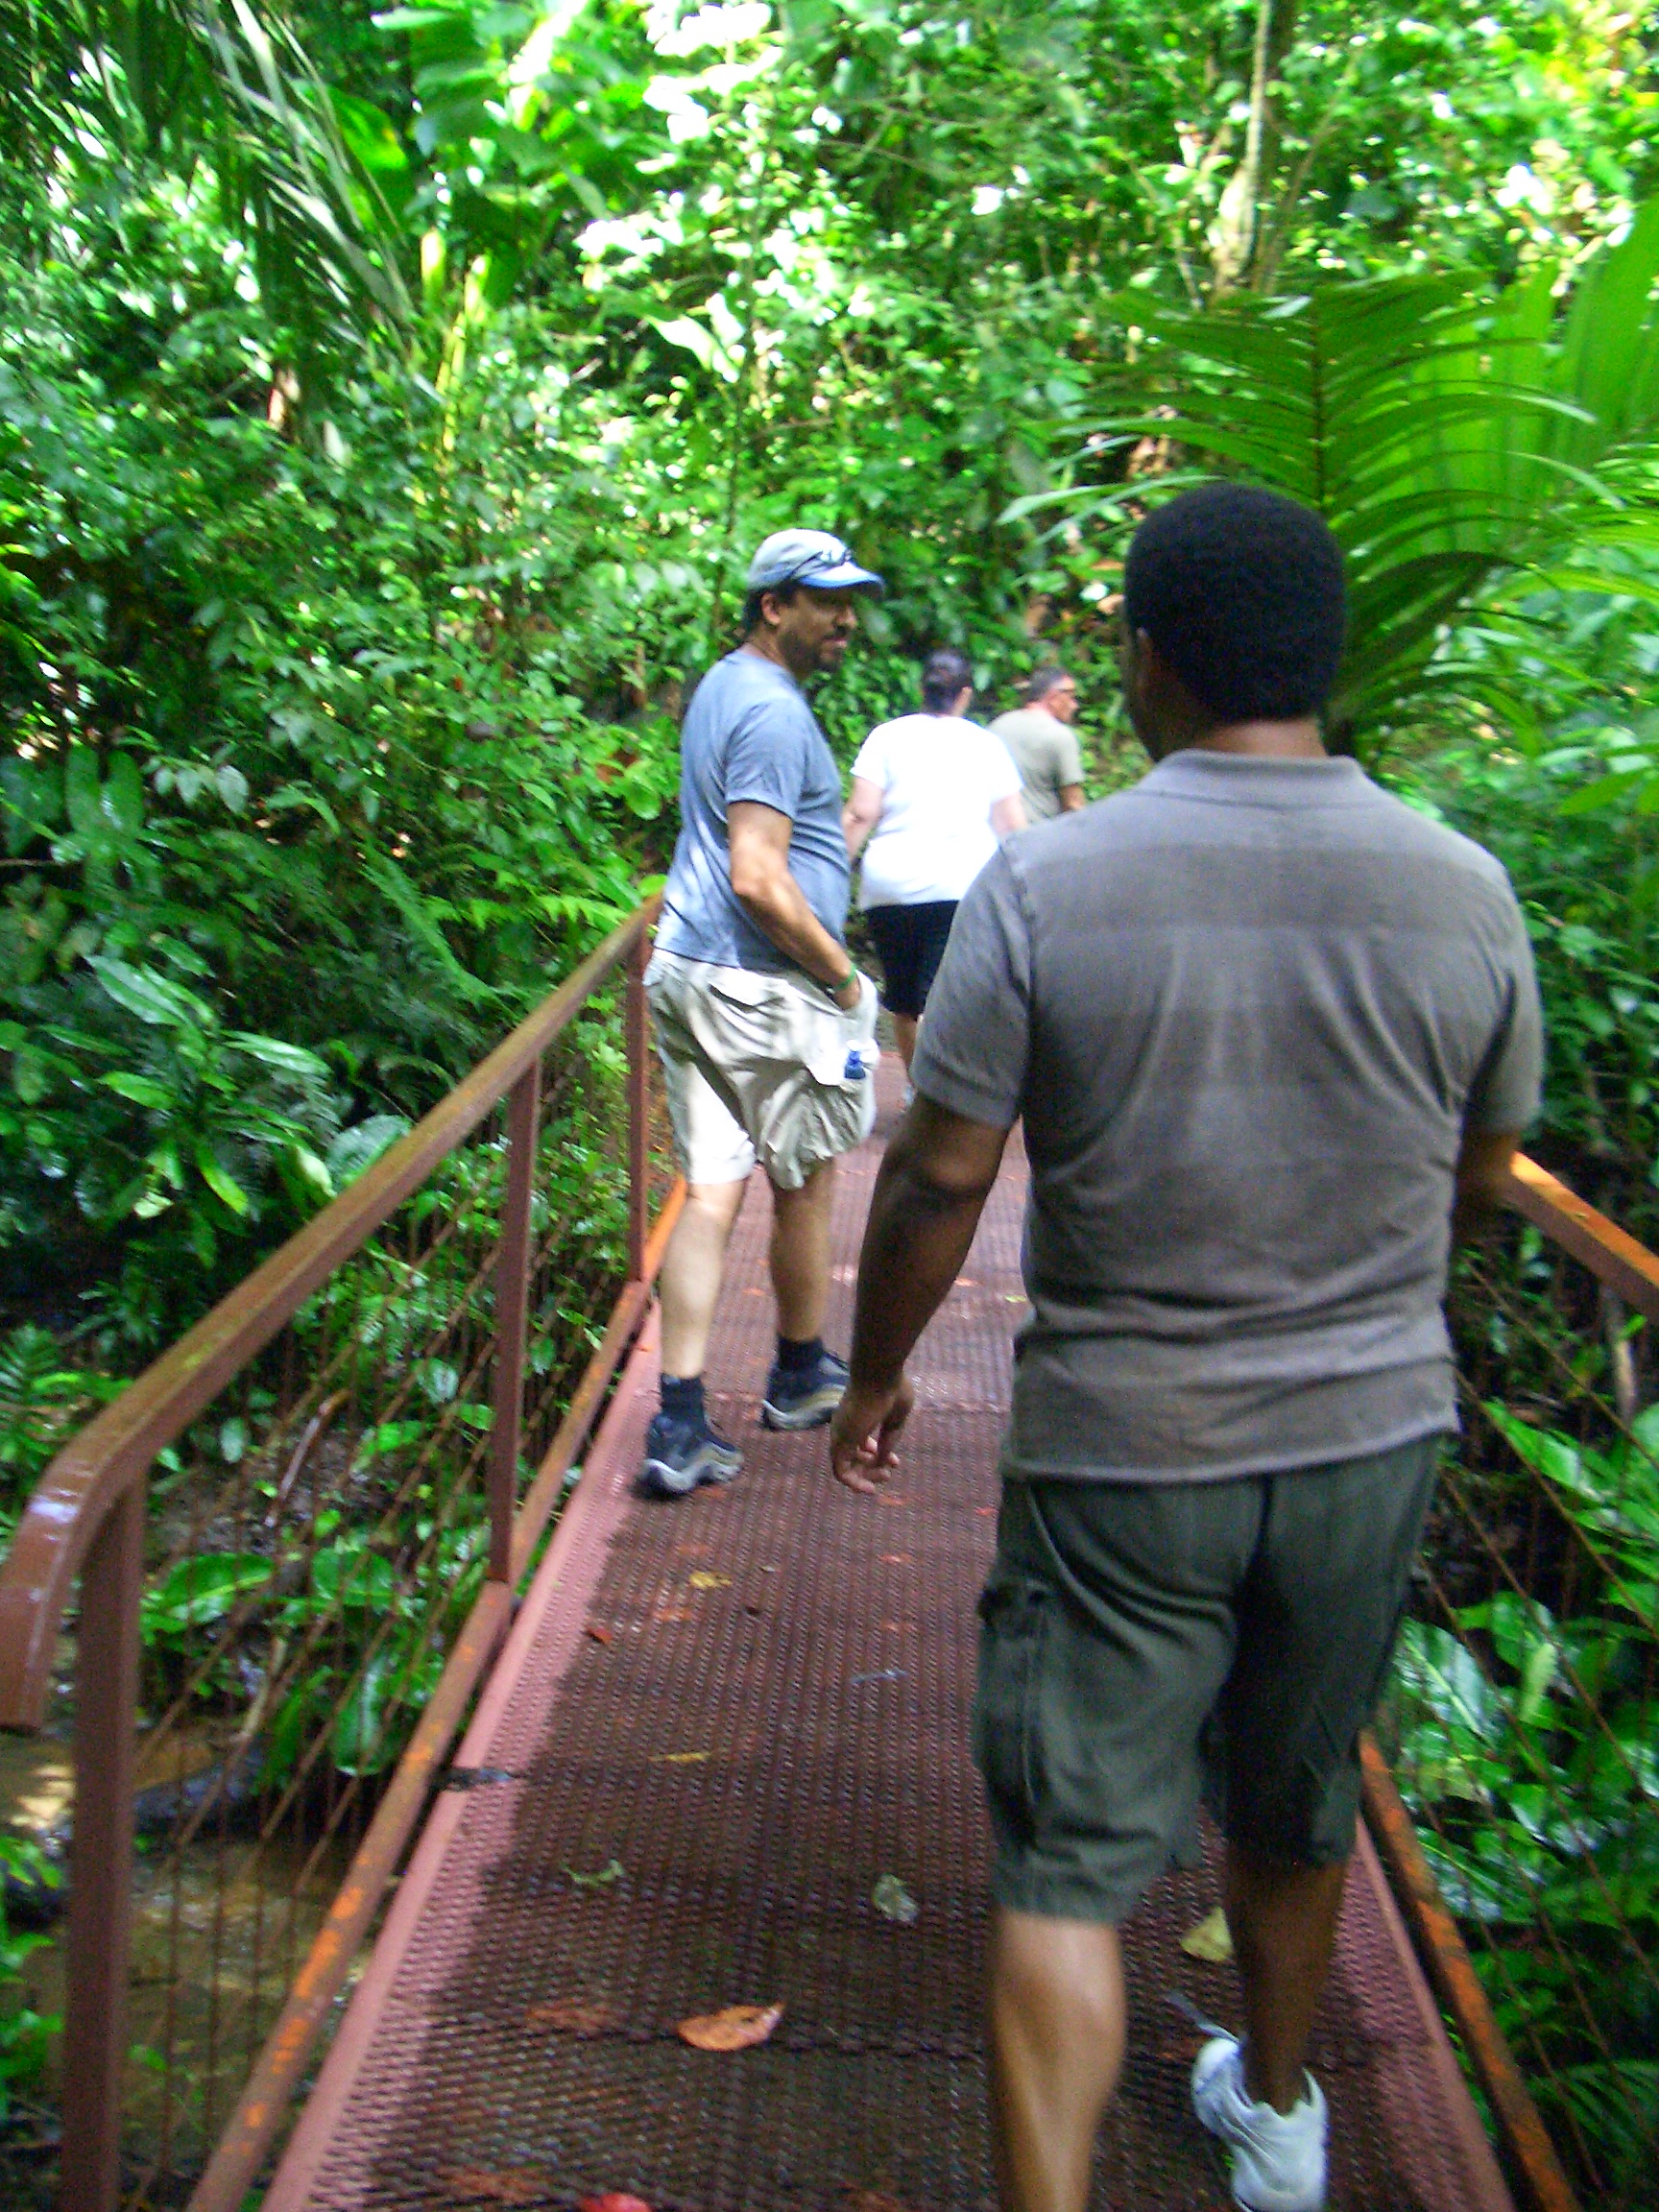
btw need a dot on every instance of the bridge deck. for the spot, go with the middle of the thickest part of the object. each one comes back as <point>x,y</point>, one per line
<point>717,1726</point>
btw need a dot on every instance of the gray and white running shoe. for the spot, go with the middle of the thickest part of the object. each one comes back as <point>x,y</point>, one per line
<point>805,1397</point>
<point>681,1455</point>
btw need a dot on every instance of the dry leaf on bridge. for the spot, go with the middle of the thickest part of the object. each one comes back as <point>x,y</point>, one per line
<point>894,1902</point>
<point>484,2185</point>
<point>614,1871</point>
<point>1210,1941</point>
<point>738,2028</point>
<point>614,2201</point>
<point>574,2015</point>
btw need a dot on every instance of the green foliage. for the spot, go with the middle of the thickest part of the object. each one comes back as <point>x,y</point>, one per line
<point>1587,876</point>
<point>43,1401</point>
<point>1445,438</point>
<point>25,2034</point>
<point>1528,1741</point>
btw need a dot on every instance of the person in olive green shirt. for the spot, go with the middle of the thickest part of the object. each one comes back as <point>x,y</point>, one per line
<point>1040,737</point>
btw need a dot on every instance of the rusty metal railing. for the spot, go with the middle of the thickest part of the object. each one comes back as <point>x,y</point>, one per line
<point>298,1538</point>
<point>1514,1793</point>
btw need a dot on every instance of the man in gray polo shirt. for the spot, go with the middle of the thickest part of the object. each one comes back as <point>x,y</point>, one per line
<point>1040,736</point>
<point>765,1028</point>
<point>1266,1025</point>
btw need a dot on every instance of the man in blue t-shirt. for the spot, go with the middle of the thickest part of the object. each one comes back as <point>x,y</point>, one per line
<point>765,1028</point>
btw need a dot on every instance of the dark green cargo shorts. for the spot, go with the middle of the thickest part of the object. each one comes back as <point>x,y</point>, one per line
<point>1142,1644</point>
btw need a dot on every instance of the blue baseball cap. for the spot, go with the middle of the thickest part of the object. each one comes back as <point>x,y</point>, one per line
<point>812,557</point>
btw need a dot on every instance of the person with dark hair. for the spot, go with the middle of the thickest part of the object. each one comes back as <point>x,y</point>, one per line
<point>1044,745</point>
<point>765,1028</point>
<point>932,793</point>
<point>1268,1029</point>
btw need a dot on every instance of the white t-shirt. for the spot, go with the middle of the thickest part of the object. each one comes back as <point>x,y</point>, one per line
<point>940,777</point>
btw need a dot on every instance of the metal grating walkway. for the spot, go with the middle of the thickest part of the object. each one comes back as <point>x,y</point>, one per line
<point>756,1704</point>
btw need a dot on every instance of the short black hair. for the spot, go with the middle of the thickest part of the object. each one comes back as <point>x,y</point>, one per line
<point>785,592</point>
<point>1240,590</point>
<point>945,674</point>
<point>1041,681</point>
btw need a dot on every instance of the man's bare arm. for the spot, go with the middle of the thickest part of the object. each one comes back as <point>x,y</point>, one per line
<point>1070,798</point>
<point>758,849</point>
<point>936,1175</point>
<point>1483,1179</point>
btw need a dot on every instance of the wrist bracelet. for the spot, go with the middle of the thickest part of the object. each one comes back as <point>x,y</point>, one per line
<point>851,977</point>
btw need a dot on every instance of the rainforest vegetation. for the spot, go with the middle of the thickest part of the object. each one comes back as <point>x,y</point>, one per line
<point>389,400</point>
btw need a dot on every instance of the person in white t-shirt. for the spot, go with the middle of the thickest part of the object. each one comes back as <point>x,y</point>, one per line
<point>933,794</point>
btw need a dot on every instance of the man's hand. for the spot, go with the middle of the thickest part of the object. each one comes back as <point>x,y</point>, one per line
<point>935,1176</point>
<point>863,1432</point>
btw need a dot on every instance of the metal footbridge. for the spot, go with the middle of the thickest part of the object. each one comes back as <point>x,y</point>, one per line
<point>636,1763</point>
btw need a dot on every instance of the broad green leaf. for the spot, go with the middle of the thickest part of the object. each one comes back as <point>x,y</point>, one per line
<point>201,1590</point>
<point>223,1184</point>
<point>142,1089</point>
<point>154,999</point>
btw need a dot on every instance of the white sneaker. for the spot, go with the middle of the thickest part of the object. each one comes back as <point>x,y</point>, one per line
<point>1277,2158</point>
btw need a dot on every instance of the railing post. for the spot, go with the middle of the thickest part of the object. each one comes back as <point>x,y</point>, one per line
<point>639,1110</point>
<point>100,1932</point>
<point>511,1282</point>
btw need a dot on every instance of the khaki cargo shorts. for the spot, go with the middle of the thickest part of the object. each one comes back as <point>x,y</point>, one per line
<point>761,1067</point>
<point>1142,1644</point>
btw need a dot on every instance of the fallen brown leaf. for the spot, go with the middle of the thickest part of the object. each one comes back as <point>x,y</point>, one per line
<point>482,2185</point>
<point>872,2200</point>
<point>673,1613</point>
<point>613,2202</point>
<point>896,1559</point>
<point>574,2015</point>
<point>1210,1941</point>
<point>600,1633</point>
<point>738,2028</point>
<point>701,1579</point>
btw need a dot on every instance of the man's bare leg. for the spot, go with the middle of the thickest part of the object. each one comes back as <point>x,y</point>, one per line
<point>693,1268</point>
<point>799,1254</point>
<point>1284,1923</point>
<point>1057,2030</point>
<point>904,1028</point>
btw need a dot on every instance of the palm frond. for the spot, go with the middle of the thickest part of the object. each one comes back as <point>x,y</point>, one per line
<point>1447,436</point>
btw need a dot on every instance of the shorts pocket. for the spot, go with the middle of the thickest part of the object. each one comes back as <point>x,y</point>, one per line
<point>1015,1614</point>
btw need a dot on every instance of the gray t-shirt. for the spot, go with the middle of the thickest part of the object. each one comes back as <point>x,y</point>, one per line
<point>750,735</point>
<point>1046,753</point>
<point>1247,1010</point>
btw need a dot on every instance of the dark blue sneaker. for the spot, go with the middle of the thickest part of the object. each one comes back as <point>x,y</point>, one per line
<point>681,1454</point>
<point>803,1397</point>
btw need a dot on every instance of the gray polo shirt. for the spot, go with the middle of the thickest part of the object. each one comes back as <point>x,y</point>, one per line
<point>1047,754</point>
<point>750,735</point>
<point>1247,1010</point>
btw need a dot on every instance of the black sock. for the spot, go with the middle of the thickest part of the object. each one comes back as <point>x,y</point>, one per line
<point>683,1396</point>
<point>796,1354</point>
